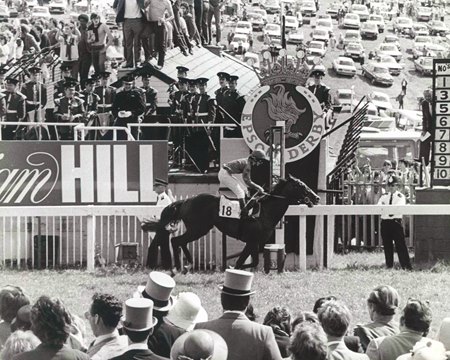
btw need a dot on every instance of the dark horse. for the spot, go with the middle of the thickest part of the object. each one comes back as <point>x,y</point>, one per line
<point>201,213</point>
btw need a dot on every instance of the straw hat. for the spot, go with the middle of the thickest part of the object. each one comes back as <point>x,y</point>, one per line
<point>237,283</point>
<point>426,349</point>
<point>158,289</point>
<point>200,344</point>
<point>138,314</point>
<point>187,311</point>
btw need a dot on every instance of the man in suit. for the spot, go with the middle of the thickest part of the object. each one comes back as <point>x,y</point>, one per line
<point>138,324</point>
<point>131,14</point>
<point>245,339</point>
<point>414,326</point>
<point>104,316</point>
<point>335,319</point>
<point>427,127</point>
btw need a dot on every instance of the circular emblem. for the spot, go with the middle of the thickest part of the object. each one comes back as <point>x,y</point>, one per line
<point>295,107</point>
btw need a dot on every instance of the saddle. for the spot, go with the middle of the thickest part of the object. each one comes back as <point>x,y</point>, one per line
<point>229,207</point>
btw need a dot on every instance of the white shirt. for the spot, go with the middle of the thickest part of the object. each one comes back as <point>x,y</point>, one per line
<point>132,10</point>
<point>397,199</point>
<point>163,200</point>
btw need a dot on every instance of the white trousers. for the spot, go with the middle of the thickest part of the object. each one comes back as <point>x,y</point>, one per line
<point>232,183</point>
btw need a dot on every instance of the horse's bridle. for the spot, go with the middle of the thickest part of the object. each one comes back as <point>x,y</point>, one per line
<point>306,200</point>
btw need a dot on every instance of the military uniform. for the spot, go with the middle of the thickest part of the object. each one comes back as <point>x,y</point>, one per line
<point>36,95</point>
<point>233,104</point>
<point>392,227</point>
<point>322,93</point>
<point>14,103</point>
<point>176,102</point>
<point>106,96</point>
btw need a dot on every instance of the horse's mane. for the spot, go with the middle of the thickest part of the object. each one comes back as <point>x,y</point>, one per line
<point>278,187</point>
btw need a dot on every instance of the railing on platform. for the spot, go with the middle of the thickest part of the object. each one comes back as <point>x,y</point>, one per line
<point>55,237</point>
<point>39,125</point>
<point>81,131</point>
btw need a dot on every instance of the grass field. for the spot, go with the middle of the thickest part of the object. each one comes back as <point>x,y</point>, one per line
<point>351,279</point>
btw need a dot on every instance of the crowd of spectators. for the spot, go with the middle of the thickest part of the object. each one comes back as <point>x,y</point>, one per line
<point>154,324</point>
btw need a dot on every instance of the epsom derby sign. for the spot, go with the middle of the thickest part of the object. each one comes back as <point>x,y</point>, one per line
<point>77,173</point>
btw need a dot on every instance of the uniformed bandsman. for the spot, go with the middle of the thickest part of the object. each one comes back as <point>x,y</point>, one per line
<point>150,95</point>
<point>91,99</point>
<point>186,105</point>
<point>181,72</point>
<point>176,100</point>
<point>106,93</point>
<point>66,72</point>
<point>36,95</point>
<point>392,231</point>
<point>224,78</point>
<point>3,72</point>
<point>69,108</point>
<point>233,104</point>
<point>14,108</point>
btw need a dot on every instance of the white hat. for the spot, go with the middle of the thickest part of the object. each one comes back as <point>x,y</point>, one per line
<point>200,344</point>
<point>158,289</point>
<point>426,349</point>
<point>138,315</point>
<point>237,283</point>
<point>187,311</point>
<point>444,333</point>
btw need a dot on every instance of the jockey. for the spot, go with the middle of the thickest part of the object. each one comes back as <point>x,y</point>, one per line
<point>241,166</point>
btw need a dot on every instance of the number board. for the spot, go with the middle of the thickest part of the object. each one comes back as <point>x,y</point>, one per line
<point>440,174</point>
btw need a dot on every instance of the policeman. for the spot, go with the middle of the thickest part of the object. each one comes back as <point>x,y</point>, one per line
<point>322,93</point>
<point>36,95</point>
<point>127,106</point>
<point>14,108</point>
<point>233,104</point>
<point>392,226</point>
<point>69,108</point>
<point>204,112</point>
<point>176,100</point>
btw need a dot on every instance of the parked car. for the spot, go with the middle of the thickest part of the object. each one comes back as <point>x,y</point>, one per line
<point>360,10</point>
<point>355,51</point>
<point>420,45</point>
<point>344,66</point>
<point>377,74</point>
<point>13,13</point>
<point>325,24</point>
<point>345,98</point>
<point>351,36</point>
<point>333,9</point>
<point>272,30</point>
<point>316,48</point>
<point>291,23</point>
<point>320,34</point>
<point>244,27</point>
<point>295,37</point>
<point>389,49</point>
<point>369,30</point>
<point>351,21</point>
<point>379,20</point>
<point>251,59</point>
<point>260,11</point>
<point>316,63</point>
<point>402,24</point>
<point>308,8</point>
<point>40,12</point>
<point>418,29</point>
<point>272,6</point>
<point>4,13</point>
<point>256,20</point>
<point>394,67</point>
<point>437,27</point>
<point>424,13</point>
<point>57,6</point>
<point>424,65</point>
<point>392,39</point>
<point>239,44</point>
<point>380,100</point>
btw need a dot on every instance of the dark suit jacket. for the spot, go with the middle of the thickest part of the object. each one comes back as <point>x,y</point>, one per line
<point>46,352</point>
<point>119,7</point>
<point>322,94</point>
<point>427,116</point>
<point>245,339</point>
<point>163,337</point>
<point>138,355</point>
<point>353,343</point>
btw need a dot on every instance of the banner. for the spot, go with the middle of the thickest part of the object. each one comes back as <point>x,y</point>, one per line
<point>55,173</point>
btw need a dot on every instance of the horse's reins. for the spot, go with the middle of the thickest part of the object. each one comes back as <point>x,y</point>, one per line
<point>306,200</point>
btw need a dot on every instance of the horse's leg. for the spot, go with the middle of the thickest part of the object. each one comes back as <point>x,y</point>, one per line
<point>244,255</point>
<point>182,241</point>
<point>252,250</point>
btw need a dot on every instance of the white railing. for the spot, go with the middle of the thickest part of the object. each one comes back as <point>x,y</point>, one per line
<point>75,234</point>
<point>81,130</point>
<point>39,125</point>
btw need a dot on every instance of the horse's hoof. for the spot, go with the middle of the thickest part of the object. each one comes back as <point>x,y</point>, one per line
<point>173,272</point>
<point>187,269</point>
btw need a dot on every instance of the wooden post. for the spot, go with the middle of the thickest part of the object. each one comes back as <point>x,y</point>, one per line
<point>90,261</point>
<point>330,239</point>
<point>302,243</point>
<point>224,251</point>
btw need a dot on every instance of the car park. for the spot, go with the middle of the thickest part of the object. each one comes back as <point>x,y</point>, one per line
<point>57,6</point>
<point>344,66</point>
<point>351,21</point>
<point>320,34</point>
<point>291,23</point>
<point>351,36</point>
<point>424,65</point>
<point>272,31</point>
<point>361,11</point>
<point>355,50</point>
<point>295,37</point>
<point>418,29</point>
<point>402,24</point>
<point>316,48</point>
<point>395,68</point>
<point>389,49</point>
<point>40,12</point>
<point>380,100</point>
<point>239,44</point>
<point>379,20</point>
<point>424,13</point>
<point>437,27</point>
<point>377,74</point>
<point>369,30</point>
<point>244,27</point>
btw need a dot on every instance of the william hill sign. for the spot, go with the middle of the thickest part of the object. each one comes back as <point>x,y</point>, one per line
<point>80,173</point>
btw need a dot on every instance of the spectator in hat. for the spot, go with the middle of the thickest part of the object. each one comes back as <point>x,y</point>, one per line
<point>15,109</point>
<point>159,289</point>
<point>245,339</point>
<point>198,345</point>
<point>84,49</point>
<point>426,350</point>
<point>104,315</point>
<point>100,39</point>
<point>187,311</point>
<point>51,323</point>
<point>335,319</point>
<point>279,319</point>
<point>68,39</point>
<point>392,226</point>
<point>138,324</point>
<point>19,342</point>
<point>12,298</point>
<point>308,341</point>
<point>443,334</point>
<point>414,326</point>
<point>382,305</point>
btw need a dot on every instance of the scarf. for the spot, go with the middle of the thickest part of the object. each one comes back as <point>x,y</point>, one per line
<point>69,41</point>
<point>95,30</point>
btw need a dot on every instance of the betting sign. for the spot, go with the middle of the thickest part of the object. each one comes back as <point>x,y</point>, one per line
<point>441,150</point>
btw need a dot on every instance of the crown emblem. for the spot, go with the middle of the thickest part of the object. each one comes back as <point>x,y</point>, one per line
<point>283,69</point>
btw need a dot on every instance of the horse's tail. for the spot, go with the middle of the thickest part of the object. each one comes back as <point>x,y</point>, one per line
<point>171,213</point>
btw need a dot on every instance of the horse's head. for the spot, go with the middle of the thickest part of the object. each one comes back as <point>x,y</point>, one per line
<point>298,192</point>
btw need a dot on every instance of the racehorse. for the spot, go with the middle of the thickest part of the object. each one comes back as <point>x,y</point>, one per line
<point>201,213</point>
